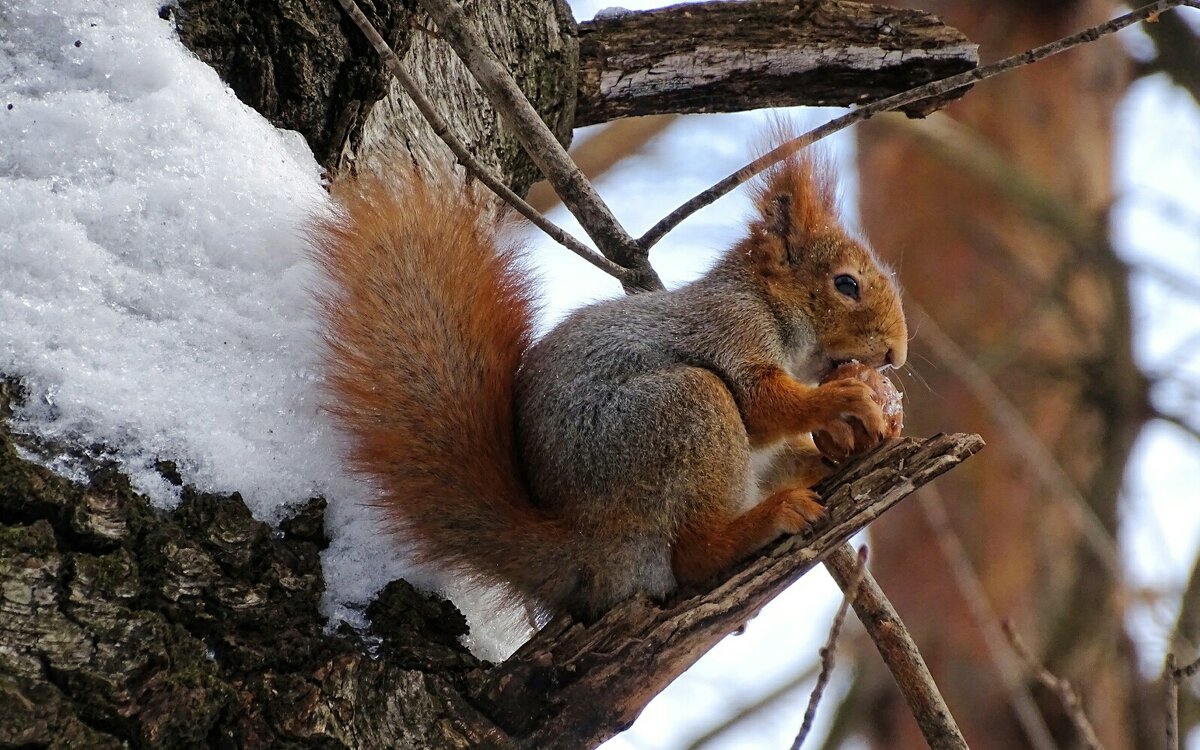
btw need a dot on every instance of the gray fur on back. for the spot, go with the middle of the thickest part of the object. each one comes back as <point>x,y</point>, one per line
<point>590,401</point>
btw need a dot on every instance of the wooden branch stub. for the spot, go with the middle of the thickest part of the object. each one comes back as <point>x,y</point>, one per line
<point>899,652</point>
<point>731,56</point>
<point>575,686</point>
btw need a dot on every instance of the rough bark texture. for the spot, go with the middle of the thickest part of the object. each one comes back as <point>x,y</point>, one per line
<point>731,56</point>
<point>124,626</point>
<point>1047,315</point>
<point>306,67</point>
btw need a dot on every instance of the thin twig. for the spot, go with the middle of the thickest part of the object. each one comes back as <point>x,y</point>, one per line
<point>577,194</point>
<point>618,141</point>
<point>829,650</point>
<point>1060,687</point>
<point>750,710</point>
<point>1172,677</point>
<point>1183,673</point>
<point>464,155</point>
<point>1177,422</point>
<point>929,90</point>
<point>899,652</point>
<point>1171,686</point>
<point>971,588</point>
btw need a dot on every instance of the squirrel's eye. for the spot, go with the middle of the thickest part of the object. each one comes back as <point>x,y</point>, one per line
<point>847,285</point>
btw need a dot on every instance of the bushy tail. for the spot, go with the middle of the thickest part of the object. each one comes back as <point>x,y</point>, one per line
<point>426,321</point>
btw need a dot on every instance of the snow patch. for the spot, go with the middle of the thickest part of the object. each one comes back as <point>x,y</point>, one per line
<point>155,291</point>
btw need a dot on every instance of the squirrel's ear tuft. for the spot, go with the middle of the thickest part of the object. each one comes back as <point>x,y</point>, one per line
<point>797,197</point>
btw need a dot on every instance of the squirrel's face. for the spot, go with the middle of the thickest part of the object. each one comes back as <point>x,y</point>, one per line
<point>827,281</point>
<point>845,295</point>
<point>858,315</point>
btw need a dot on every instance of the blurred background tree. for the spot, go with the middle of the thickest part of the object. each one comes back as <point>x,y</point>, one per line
<point>999,215</point>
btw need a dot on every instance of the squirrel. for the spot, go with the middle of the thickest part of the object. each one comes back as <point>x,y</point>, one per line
<point>643,443</point>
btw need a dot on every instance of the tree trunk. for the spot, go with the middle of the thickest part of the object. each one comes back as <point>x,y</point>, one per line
<point>1042,306</point>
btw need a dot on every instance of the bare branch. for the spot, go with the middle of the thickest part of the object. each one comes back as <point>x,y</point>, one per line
<point>1178,48</point>
<point>543,148</point>
<point>464,155</point>
<point>1183,673</point>
<point>723,56</point>
<point>596,156</point>
<point>1060,687</point>
<point>899,652</point>
<point>1178,422</point>
<point>749,710</point>
<point>968,584</point>
<point>1171,688</point>
<point>829,650</point>
<point>1171,677</point>
<point>933,89</point>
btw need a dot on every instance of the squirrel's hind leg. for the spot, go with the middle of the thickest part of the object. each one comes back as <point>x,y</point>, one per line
<point>637,563</point>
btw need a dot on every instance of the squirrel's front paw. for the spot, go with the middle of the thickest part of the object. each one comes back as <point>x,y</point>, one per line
<point>796,508</point>
<point>852,421</point>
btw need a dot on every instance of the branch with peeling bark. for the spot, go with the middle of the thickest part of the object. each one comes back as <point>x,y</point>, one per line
<point>731,56</point>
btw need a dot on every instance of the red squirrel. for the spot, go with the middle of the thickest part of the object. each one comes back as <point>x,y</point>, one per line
<point>644,442</point>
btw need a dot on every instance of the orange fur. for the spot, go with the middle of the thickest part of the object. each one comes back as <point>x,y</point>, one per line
<point>425,328</point>
<point>781,406</point>
<point>709,544</point>
<point>804,188</point>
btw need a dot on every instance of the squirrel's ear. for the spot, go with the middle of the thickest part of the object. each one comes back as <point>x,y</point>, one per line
<point>770,248</point>
<point>777,213</point>
<point>777,220</point>
<point>796,200</point>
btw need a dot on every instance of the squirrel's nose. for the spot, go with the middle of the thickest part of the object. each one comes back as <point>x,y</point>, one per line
<point>897,355</point>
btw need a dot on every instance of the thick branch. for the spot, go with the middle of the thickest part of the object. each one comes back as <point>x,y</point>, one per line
<point>574,686</point>
<point>938,88</point>
<point>732,56</point>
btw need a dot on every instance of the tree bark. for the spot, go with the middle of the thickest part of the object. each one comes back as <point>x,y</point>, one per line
<point>1042,306</point>
<point>732,56</point>
<point>305,67</point>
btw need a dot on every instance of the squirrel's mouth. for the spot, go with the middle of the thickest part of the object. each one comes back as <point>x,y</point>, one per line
<point>829,366</point>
